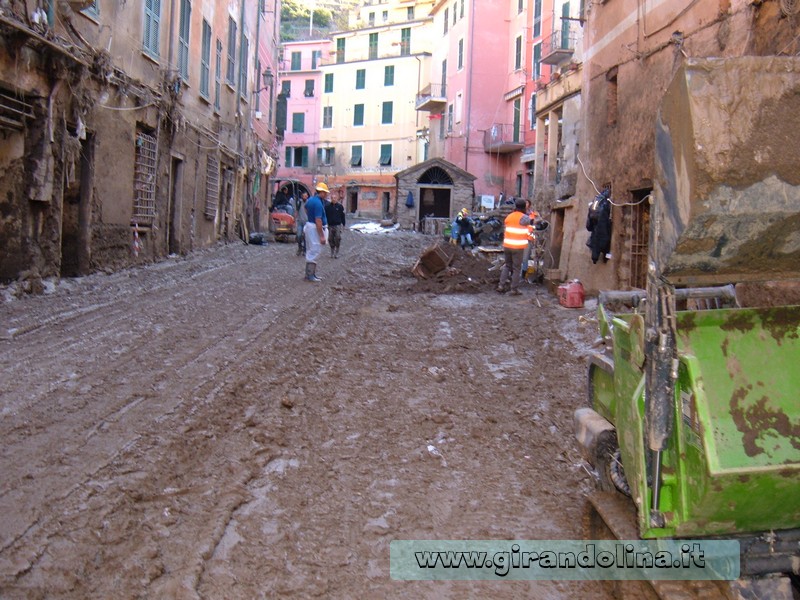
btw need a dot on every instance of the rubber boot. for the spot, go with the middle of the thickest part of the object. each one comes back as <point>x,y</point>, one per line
<point>310,272</point>
<point>313,273</point>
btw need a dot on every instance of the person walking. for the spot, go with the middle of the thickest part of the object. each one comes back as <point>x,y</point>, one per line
<point>334,211</point>
<point>515,240</point>
<point>315,230</point>
<point>302,219</point>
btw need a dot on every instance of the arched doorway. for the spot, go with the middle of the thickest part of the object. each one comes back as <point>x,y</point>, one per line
<point>435,191</point>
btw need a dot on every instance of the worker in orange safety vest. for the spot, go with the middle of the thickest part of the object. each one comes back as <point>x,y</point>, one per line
<point>515,241</point>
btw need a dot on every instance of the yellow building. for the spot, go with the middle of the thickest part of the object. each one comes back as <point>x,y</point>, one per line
<point>370,128</point>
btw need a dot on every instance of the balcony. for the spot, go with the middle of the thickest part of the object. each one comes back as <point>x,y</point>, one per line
<point>502,139</point>
<point>559,47</point>
<point>432,98</point>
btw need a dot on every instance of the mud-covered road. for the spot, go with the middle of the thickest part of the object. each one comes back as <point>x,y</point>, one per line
<point>215,427</point>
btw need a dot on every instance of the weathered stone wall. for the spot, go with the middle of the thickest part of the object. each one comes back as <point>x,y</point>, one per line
<point>13,209</point>
<point>622,89</point>
<point>89,99</point>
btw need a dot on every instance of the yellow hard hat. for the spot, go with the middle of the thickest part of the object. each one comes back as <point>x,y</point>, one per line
<point>321,187</point>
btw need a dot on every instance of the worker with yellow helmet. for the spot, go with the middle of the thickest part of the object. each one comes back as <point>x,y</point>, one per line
<point>315,230</point>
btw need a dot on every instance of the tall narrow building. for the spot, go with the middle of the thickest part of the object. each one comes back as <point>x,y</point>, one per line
<point>363,126</point>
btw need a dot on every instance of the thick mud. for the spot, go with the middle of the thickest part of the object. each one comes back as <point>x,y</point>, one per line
<point>216,427</point>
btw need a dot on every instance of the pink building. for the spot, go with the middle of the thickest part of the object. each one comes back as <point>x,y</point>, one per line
<point>538,74</point>
<point>262,116</point>
<point>476,105</point>
<point>299,110</point>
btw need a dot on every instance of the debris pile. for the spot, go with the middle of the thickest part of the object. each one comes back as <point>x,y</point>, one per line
<point>443,268</point>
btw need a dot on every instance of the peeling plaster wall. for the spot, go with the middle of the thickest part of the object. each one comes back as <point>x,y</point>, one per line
<point>13,214</point>
<point>90,71</point>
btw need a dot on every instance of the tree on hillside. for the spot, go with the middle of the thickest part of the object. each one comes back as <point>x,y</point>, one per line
<point>295,18</point>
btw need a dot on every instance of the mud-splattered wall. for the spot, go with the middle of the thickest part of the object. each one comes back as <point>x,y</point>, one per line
<point>118,157</point>
<point>626,73</point>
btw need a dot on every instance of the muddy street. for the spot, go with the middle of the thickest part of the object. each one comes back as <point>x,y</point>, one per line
<point>215,427</point>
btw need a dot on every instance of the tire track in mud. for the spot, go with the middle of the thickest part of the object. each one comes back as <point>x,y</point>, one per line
<point>287,466</point>
<point>215,349</point>
<point>367,477</point>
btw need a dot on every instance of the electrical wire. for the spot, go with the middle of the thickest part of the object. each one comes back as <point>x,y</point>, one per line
<point>648,196</point>
<point>585,174</point>
<point>126,107</point>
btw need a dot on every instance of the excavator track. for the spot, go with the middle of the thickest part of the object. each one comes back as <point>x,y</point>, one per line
<point>612,516</point>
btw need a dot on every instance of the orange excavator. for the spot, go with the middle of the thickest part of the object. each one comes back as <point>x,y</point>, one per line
<point>283,212</point>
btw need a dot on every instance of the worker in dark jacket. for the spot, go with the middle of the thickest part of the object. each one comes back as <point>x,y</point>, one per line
<point>336,222</point>
<point>466,231</point>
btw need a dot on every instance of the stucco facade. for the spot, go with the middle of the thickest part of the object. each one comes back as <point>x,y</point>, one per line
<point>477,82</point>
<point>127,135</point>
<point>301,87</point>
<point>363,127</point>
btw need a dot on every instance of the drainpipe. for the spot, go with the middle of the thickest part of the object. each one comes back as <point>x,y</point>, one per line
<point>469,84</point>
<point>419,80</point>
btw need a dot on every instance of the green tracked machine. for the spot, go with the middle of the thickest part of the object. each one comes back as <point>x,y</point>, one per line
<point>694,425</point>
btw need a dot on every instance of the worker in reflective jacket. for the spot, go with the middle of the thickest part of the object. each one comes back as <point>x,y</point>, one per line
<point>515,240</point>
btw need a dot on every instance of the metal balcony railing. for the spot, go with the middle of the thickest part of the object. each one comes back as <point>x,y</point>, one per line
<point>559,47</point>
<point>502,138</point>
<point>433,96</point>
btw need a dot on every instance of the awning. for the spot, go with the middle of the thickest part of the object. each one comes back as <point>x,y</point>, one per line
<point>515,93</point>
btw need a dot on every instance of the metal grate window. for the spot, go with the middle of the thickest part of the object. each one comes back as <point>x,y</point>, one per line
<point>144,180</point>
<point>212,186</point>
<point>638,217</point>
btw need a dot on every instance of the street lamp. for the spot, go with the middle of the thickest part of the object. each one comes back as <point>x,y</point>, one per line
<point>267,77</point>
